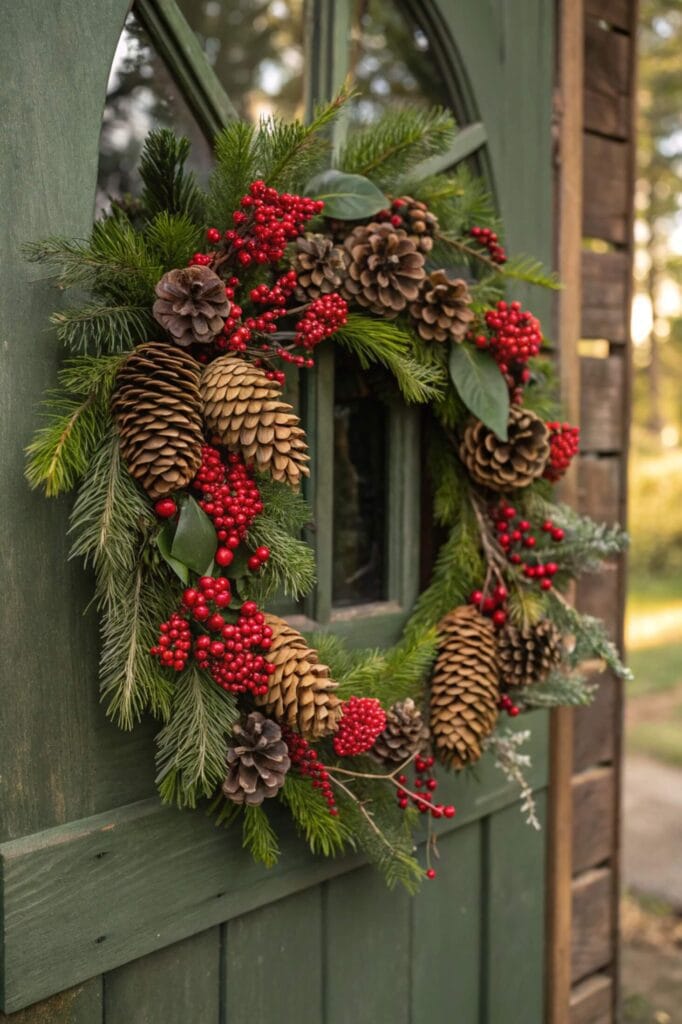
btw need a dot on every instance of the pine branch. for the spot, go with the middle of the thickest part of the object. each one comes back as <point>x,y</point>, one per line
<point>407,666</point>
<point>591,639</point>
<point>459,199</point>
<point>192,746</point>
<point>531,271</point>
<point>586,544</point>
<point>448,479</point>
<point>525,606</point>
<point>362,675</point>
<point>291,567</point>
<point>323,833</point>
<point>289,153</point>
<point>172,238</point>
<point>168,187</point>
<point>541,394</point>
<point>234,170</point>
<point>259,837</point>
<point>560,689</point>
<point>99,328</point>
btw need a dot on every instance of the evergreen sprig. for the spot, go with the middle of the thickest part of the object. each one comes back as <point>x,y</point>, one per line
<point>291,568</point>
<point>96,327</point>
<point>259,837</point>
<point>586,545</point>
<point>591,638</point>
<point>168,188</point>
<point>323,833</point>
<point>560,689</point>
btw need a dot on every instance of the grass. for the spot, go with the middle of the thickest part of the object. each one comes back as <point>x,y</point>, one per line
<point>660,740</point>
<point>656,669</point>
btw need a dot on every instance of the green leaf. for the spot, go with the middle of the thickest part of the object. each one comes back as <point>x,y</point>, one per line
<point>164,543</point>
<point>195,540</point>
<point>481,387</point>
<point>346,196</point>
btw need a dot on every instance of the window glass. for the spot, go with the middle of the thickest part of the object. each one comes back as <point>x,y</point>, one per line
<point>256,50</point>
<point>141,95</point>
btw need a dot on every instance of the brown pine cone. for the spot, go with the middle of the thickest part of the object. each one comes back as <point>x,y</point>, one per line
<point>528,655</point>
<point>441,312</point>
<point>406,733</point>
<point>464,687</point>
<point>257,761</point>
<point>157,409</point>
<point>421,225</point>
<point>246,412</point>
<point>319,265</point>
<point>511,464</point>
<point>384,269</point>
<point>191,305</point>
<point>301,693</point>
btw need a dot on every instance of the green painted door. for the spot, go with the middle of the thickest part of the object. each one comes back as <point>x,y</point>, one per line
<point>114,908</point>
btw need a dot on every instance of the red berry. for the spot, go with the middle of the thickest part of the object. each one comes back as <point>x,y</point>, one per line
<point>165,508</point>
<point>430,873</point>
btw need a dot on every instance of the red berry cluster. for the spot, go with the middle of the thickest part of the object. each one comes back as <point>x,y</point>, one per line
<point>362,720</point>
<point>237,333</point>
<point>425,786</point>
<point>505,703</point>
<point>266,221</point>
<point>321,319</point>
<point>493,606</point>
<point>201,259</point>
<point>393,214</point>
<point>210,590</point>
<point>231,499</point>
<point>517,538</point>
<point>175,642</point>
<point>489,240</point>
<point>237,660</point>
<point>304,758</point>
<point>515,336</point>
<point>564,442</point>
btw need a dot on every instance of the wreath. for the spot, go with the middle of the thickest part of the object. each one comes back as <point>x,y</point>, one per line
<point>170,420</point>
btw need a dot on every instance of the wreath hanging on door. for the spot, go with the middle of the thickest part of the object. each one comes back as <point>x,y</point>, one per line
<point>169,418</point>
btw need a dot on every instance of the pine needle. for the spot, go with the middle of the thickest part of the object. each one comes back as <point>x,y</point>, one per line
<point>323,833</point>
<point>168,187</point>
<point>259,837</point>
<point>99,328</point>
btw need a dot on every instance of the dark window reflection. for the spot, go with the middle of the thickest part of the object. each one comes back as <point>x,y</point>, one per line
<point>360,488</point>
<point>141,95</point>
<point>256,49</point>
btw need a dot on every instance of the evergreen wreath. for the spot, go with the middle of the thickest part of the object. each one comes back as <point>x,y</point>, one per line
<point>170,422</point>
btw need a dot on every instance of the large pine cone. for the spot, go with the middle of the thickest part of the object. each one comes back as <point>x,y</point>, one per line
<point>421,225</point>
<point>157,409</point>
<point>257,761</point>
<point>191,305</point>
<point>464,687</point>
<point>406,733</point>
<point>319,265</point>
<point>441,312</point>
<point>384,269</point>
<point>244,409</point>
<point>528,655</point>
<point>511,464</point>
<point>301,693</point>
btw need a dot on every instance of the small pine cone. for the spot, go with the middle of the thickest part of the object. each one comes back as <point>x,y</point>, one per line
<point>421,225</point>
<point>245,411</point>
<point>511,464</point>
<point>406,733</point>
<point>384,271</point>
<point>319,265</point>
<point>301,693</point>
<point>257,761</point>
<point>464,687</point>
<point>191,305</point>
<point>441,312</point>
<point>157,409</point>
<point>528,655</point>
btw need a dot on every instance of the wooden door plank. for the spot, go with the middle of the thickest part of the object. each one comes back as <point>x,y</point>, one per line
<point>603,394</point>
<point>82,1004</point>
<point>605,306</point>
<point>601,487</point>
<point>367,951</point>
<point>273,963</point>
<point>513,970</point>
<point>606,189</point>
<point>172,986</point>
<point>593,820</point>
<point>613,12</point>
<point>591,1001</point>
<point>594,734</point>
<point>593,938</point>
<point>446,934</point>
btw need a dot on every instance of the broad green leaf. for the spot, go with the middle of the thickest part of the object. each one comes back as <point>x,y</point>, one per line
<point>346,196</point>
<point>164,543</point>
<point>481,386</point>
<point>195,540</point>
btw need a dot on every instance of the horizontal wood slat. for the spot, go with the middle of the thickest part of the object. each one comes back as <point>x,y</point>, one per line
<point>606,189</point>
<point>616,12</point>
<point>592,1000</point>
<point>600,487</point>
<point>103,891</point>
<point>599,594</point>
<point>593,817</point>
<point>592,945</point>
<point>607,80</point>
<point>602,404</point>
<point>605,309</point>
<point>594,726</point>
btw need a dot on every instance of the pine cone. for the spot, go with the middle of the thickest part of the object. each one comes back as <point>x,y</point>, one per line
<point>301,694</point>
<point>157,409</point>
<point>319,265</point>
<point>245,410</point>
<point>257,761</point>
<point>506,465</point>
<point>384,269</point>
<point>464,687</point>
<point>441,312</point>
<point>528,655</point>
<point>421,225</point>
<point>406,733</point>
<point>191,305</point>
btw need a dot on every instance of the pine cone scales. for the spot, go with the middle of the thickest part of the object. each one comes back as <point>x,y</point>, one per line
<point>245,410</point>
<point>421,225</point>
<point>441,312</point>
<point>301,693</point>
<point>464,687</point>
<point>257,761</point>
<point>511,464</point>
<point>319,265</point>
<point>385,269</point>
<point>406,733</point>
<point>527,656</point>
<point>191,305</point>
<point>157,409</point>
